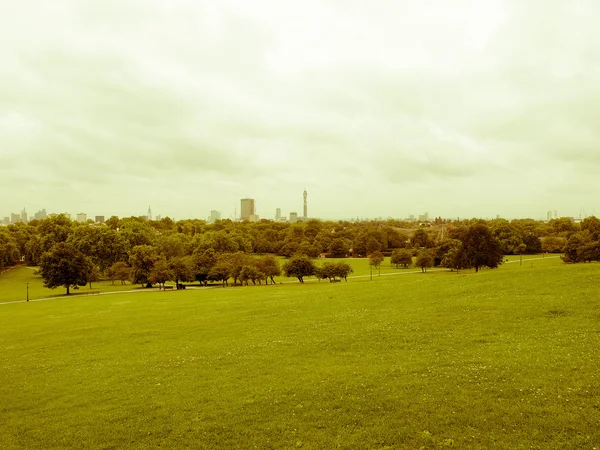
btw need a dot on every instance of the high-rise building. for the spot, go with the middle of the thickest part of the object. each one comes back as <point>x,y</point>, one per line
<point>40,215</point>
<point>81,217</point>
<point>214,216</point>
<point>24,216</point>
<point>293,217</point>
<point>149,216</point>
<point>99,219</point>
<point>278,214</point>
<point>15,218</point>
<point>247,211</point>
<point>305,205</point>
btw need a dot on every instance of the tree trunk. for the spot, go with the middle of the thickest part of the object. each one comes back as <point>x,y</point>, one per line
<point>68,289</point>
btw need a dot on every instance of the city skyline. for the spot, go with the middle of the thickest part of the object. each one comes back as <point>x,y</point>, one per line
<point>465,109</point>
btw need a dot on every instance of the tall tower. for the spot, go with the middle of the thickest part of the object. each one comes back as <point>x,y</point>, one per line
<point>305,205</point>
<point>149,213</point>
<point>247,209</point>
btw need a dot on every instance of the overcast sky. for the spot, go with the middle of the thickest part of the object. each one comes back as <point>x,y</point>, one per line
<point>470,108</point>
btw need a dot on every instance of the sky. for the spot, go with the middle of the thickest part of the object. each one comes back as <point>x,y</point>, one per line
<point>380,108</point>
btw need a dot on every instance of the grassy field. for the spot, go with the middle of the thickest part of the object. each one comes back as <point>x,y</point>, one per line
<point>14,284</point>
<point>505,359</point>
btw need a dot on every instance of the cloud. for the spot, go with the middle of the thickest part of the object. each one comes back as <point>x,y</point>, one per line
<point>209,102</point>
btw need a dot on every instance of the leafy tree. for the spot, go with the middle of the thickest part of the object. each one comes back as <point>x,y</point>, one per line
<point>9,250</point>
<point>203,262</point>
<point>93,273</point>
<point>479,248</point>
<point>401,257</point>
<point>340,247</point>
<point>142,259</point>
<point>592,225</point>
<point>161,272</point>
<point>553,244</point>
<point>333,271</point>
<point>182,268</point>
<point>269,266</point>
<point>251,273</point>
<point>65,266</point>
<point>119,271</point>
<point>375,259</point>
<point>448,253</point>
<point>421,238</point>
<point>306,248</point>
<point>424,259</point>
<point>299,266</point>
<point>220,271</point>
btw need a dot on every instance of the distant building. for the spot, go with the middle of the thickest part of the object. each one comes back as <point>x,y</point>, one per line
<point>99,219</point>
<point>293,217</point>
<point>214,216</point>
<point>81,218</point>
<point>24,216</point>
<point>424,217</point>
<point>158,217</point>
<point>6,220</point>
<point>15,218</point>
<point>278,214</point>
<point>247,210</point>
<point>305,194</point>
<point>149,216</point>
<point>40,215</point>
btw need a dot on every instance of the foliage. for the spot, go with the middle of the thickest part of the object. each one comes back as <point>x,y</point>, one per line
<point>64,266</point>
<point>424,259</point>
<point>479,248</point>
<point>299,266</point>
<point>401,257</point>
<point>142,259</point>
<point>269,266</point>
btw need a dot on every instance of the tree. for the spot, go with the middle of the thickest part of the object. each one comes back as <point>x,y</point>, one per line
<point>161,272</point>
<point>269,266</point>
<point>299,266</point>
<point>119,271</point>
<point>220,271</point>
<point>182,268</point>
<point>421,239</point>
<point>479,248</point>
<point>9,250</point>
<point>401,257</point>
<point>142,259</point>
<point>93,273</point>
<point>340,247</point>
<point>65,266</point>
<point>448,253</point>
<point>424,259</point>
<point>333,271</point>
<point>251,273</point>
<point>375,259</point>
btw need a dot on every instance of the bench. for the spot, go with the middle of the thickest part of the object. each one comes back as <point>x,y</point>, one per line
<point>168,287</point>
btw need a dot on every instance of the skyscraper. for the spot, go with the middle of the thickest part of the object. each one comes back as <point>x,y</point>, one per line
<point>305,205</point>
<point>247,209</point>
<point>278,214</point>
<point>149,213</point>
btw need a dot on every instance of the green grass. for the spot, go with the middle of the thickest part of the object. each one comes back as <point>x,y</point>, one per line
<point>13,286</point>
<point>505,358</point>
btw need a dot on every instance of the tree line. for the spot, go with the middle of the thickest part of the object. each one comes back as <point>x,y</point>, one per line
<point>152,252</point>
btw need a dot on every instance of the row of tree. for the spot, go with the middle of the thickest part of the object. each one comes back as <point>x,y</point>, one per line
<point>114,240</point>
<point>148,252</point>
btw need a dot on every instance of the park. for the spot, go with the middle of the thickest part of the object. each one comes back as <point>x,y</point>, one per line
<point>504,358</point>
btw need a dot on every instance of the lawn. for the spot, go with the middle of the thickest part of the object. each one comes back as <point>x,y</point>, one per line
<point>505,358</point>
<point>15,283</point>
